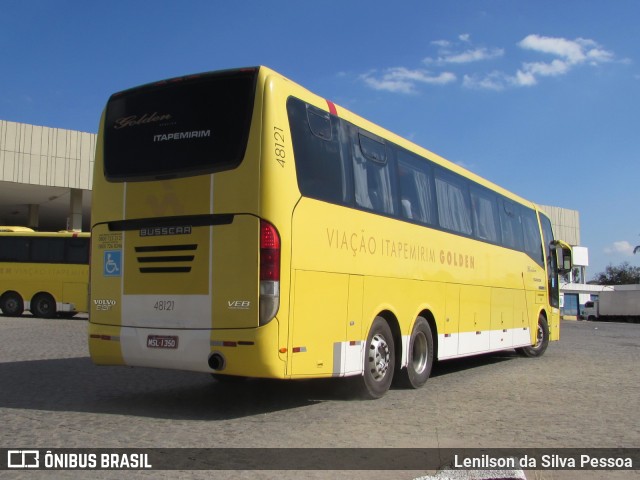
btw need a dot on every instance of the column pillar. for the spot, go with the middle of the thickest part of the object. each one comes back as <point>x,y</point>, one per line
<point>74,221</point>
<point>33,216</point>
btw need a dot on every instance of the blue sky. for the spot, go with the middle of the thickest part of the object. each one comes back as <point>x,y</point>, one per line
<point>539,96</point>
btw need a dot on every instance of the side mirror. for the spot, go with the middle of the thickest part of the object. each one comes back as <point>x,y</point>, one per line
<point>565,260</point>
<point>564,255</point>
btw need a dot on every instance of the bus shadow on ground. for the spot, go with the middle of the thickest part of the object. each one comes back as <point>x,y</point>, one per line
<point>76,385</point>
<point>447,367</point>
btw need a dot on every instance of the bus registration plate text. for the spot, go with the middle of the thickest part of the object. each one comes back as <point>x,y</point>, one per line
<point>162,341</point>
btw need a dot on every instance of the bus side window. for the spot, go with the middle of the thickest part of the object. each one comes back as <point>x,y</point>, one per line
<point>532,242</point>
<point>485,215</point>
<point>77,250</point>
<point>416,190</point>
<point>319,123</point>
<point>512,234</point>
<point>47,250</point>
<point>14,249</point>
<point>454,212</point>
<point>373,175</point>
<point>323,172</point>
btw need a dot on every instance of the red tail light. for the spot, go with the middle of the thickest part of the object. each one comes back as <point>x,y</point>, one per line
<point>269,252</point>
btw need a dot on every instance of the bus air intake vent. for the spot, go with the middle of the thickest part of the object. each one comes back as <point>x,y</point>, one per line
<point>166,258</point>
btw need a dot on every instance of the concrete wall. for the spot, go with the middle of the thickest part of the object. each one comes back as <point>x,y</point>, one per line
<point>52,157</point>
<point>566,223</point>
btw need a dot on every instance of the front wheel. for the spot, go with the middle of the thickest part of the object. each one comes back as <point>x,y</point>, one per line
<point>542,340</point>
<point>379,361</point>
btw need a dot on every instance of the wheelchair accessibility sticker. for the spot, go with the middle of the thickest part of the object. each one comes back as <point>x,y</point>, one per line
<point>112,263</point>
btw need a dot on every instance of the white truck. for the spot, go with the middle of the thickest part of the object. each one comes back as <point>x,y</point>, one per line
<point>614,305</point>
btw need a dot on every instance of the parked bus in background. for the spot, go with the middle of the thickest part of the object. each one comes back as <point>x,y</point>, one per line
<point>244,226</point>
<point>46,273</point>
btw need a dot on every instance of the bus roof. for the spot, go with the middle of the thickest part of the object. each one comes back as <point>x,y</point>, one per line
<point>29,232</point>
<point>15,229</point>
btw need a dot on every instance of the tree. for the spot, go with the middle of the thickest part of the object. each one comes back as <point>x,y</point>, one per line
<point>623,274</point>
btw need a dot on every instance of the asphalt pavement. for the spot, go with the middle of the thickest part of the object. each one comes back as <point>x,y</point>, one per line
<point>583,393</point>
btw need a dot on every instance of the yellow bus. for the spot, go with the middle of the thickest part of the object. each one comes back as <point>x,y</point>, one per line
<point>244,226</point>
<point>46,273</point>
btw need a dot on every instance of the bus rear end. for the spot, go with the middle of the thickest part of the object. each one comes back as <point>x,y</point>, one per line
<point>182,263</point>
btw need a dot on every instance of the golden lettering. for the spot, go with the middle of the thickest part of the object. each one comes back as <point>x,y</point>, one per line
<point>457,259</point>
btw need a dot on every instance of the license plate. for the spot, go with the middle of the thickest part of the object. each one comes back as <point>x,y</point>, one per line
<point>162,341</point>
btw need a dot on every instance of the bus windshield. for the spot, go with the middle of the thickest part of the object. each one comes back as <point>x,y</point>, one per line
<point>180,127</point>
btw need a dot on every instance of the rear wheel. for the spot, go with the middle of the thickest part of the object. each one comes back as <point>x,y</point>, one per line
<point>11,304</point>
<point>542,340</point>
<point>420,356</point>
<point>379,361</point>
<point>43,305</point>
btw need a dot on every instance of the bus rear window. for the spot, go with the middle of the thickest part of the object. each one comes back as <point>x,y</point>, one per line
<point>179,127</point>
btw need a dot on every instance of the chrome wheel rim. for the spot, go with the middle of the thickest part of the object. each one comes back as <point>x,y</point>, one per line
<point>419,353</point>
<point>539,337</point>
<point>379,356</point>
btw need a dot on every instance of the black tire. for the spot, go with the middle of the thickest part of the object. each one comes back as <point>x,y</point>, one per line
<point>420,356</point>
<point>379,361</point>
<point>43,305</point>
<point>542,340</point>
<point>11,304</point>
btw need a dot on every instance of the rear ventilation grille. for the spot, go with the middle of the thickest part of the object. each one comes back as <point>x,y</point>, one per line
<point>160,255</point>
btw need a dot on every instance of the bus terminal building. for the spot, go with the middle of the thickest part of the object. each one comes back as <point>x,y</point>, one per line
<point>46,178</point>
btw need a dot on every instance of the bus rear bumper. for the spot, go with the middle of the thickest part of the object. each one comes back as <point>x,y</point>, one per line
<point>250,352</point>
